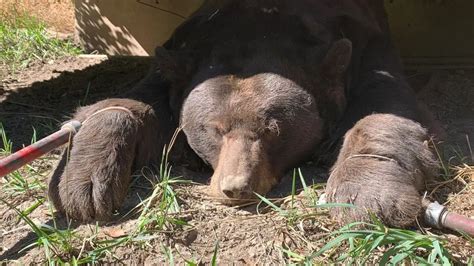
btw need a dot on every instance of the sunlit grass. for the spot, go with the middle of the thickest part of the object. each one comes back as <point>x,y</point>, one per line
<point>361,243</point>
<point>156,213</point>
<point>24,39</point>
<point>24,180</point>
<point>394,245</point>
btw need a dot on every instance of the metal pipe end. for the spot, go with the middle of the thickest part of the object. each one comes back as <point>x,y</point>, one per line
<point>434,214</point>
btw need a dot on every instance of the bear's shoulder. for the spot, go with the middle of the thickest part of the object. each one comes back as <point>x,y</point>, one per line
<point>204,27</point>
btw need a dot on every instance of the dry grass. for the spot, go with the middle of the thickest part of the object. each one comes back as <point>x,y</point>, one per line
<point>57,14</point>
<point>462,202</point>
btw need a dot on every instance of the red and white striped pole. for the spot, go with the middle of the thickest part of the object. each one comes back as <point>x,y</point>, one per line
<point>35,150</point>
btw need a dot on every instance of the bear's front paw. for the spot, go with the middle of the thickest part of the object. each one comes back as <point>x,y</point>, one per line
<point>92,178</point>
<point>375,186</point>
<point>381,169</point>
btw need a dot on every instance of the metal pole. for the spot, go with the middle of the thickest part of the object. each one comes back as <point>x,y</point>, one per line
<point>35,150</point>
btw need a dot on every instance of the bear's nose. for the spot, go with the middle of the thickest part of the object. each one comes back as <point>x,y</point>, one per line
<point>236,187</point>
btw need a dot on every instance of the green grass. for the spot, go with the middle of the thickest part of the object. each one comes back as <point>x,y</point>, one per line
<point>359,243</point>
<point>24,39</point>
<point>293,213</point>
<point>158,212</point>
<point>24,180</point>
<point>56,243</point>
<point>7,144</point>
<point>395,245</point>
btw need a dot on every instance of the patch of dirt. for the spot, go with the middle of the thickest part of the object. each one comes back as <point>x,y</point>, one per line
<point>46,94</point>
<point>58,14</point>
<point>449,95</point>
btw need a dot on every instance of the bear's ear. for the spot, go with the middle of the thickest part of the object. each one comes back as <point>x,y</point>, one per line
<point>337,60</point>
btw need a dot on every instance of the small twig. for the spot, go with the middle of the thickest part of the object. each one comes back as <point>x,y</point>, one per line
<point>470,148</point>
<point>4,233</point>
<point>440,184</point>
<point>423,230</point>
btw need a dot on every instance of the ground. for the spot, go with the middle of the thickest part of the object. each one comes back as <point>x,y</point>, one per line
<point>175,221</point>
<point>58,14</point>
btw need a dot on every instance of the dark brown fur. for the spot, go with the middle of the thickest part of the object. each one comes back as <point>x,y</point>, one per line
<point>260,86</point>
<point>382,169</point>
<point>92,178</point>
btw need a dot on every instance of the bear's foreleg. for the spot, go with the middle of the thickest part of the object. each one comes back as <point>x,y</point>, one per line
<point>381,169</point>
<point>118,136</point>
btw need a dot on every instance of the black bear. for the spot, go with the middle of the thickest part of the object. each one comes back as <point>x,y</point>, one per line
<point>258,87</point>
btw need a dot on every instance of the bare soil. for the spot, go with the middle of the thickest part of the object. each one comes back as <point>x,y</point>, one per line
<point>44,95</point>
<point>58,15</point>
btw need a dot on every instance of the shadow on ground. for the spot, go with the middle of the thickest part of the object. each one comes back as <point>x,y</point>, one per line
<point>44,95</point>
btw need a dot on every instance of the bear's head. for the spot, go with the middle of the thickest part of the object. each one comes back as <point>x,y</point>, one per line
<point>253,125</point>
